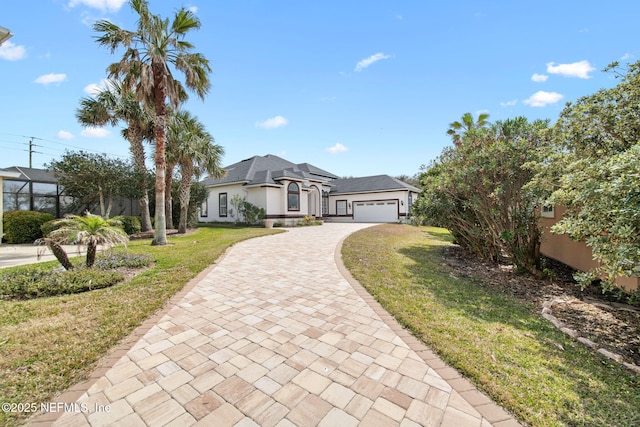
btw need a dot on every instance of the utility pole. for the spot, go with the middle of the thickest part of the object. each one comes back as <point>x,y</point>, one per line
<point>31,152</point>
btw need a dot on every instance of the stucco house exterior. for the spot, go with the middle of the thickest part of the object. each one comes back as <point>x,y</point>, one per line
<point>288,192</point>
<point>575,254</point>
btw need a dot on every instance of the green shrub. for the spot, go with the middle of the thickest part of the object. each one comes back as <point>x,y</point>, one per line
<point>49,226</point>
<point>27,284</point>
<point>23,226</point>
<point>130,224</point>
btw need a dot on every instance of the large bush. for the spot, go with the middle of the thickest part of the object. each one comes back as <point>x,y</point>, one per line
<point>23,226</point>
<point>476,190</point>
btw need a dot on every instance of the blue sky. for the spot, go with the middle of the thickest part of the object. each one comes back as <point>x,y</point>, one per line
<point>354,87</point>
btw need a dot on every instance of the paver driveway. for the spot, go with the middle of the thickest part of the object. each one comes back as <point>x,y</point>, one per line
<point>275,335</point>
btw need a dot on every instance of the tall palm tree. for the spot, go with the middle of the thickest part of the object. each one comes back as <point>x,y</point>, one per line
<point>459,129</point>
<point>110,105</point>
<point>88,230</point>
<point>194,150</point>
<point>150,50</point>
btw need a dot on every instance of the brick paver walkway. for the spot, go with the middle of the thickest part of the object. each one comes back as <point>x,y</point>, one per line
<point>275,335</point>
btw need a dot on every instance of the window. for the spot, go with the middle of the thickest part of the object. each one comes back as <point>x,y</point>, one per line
<point>293,197</point>
<point>204,209</point>
<point>325,203</point>
<point>222,199</point>
<point>341,207</point>
<point>410,202</point>
<point>548,212</point>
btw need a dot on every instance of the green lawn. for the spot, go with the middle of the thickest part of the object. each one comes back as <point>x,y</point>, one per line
<point>502,345</point>
<point>49,344</point>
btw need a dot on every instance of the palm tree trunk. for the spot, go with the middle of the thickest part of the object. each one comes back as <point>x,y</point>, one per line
<point>137,151</point>
<point>91,254</point>
<point>168,201</point>
<point>60,254</point>
<point>160,120</point>
<point>185,195</point>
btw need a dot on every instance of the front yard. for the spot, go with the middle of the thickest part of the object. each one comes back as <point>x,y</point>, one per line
<point>49,344</point>
<point>497,339</point>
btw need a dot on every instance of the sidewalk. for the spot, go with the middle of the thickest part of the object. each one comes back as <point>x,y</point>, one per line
<point>11,255</point>
<point>275,335</point>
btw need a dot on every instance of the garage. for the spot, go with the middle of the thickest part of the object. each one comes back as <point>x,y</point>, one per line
<point>376,211</point>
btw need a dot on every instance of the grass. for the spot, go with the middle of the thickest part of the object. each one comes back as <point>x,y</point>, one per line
<point>49,344</point>
<point>502,345</point>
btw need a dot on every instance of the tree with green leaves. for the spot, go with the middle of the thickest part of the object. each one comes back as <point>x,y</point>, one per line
<point>591,166</point>
<point>145,67</point>
<point>88,230</point>
<point>116,103</point>
<point>476,189</point>
<point>95,179</point>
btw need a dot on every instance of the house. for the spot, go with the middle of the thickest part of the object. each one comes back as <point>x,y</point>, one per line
<point>288,192</point>
<point>575,254</point>
<point>3,175</point>
<point>33,189</point>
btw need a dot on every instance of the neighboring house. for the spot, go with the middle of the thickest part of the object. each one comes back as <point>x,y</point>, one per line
<point>4,174</point>
<point>32,189</point>
<point>288,192</point>
<point>575,254</point>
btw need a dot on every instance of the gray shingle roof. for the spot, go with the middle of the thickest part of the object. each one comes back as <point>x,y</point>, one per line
<point>269,169</point>
<point>33,174</point>
<point>369,184</point>
<point>265,170</point>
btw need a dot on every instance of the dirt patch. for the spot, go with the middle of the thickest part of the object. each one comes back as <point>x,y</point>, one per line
<point>600,318</point>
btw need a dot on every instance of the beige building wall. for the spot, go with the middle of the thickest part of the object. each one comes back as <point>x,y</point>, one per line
<point>570,252</point>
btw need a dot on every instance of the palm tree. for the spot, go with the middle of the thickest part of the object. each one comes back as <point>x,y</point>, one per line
<point>194,150</point>
<point>88,230</point>
<point>145,66</point>
<point>466,126</point>
<point>115,103</point>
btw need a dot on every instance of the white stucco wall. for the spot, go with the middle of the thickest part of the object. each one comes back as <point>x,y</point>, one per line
<point>401,196</point>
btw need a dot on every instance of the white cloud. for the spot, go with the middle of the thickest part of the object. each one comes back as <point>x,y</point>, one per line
<point>626,56</point>
<point>63,134</point>
<point>579,69</point>
<point>193,9</point>
<point>273,122</point>
<point>11,52</point>
<point>539,78</point>
<point>370,60</point>
<point>103,5</point>
<point>46,79</point>
<point>542,98</point>
<point>95,132</point>
<point>338,148</point>
<point>509,103</point>
<point>92,89</point>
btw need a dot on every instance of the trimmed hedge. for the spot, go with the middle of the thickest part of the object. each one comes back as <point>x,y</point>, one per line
<point>23,226</point>
<point>27,284</point>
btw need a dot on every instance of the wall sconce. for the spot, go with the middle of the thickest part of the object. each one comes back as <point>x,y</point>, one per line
<point>349,205</point>
<point>401,202</point>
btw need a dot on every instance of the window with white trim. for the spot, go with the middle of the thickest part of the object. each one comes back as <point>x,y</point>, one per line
<point>293,197</point>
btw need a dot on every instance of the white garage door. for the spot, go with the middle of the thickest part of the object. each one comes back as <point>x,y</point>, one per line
<point>377,211</point>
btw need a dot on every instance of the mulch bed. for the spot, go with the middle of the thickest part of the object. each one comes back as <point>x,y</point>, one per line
<point>599,317</point>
